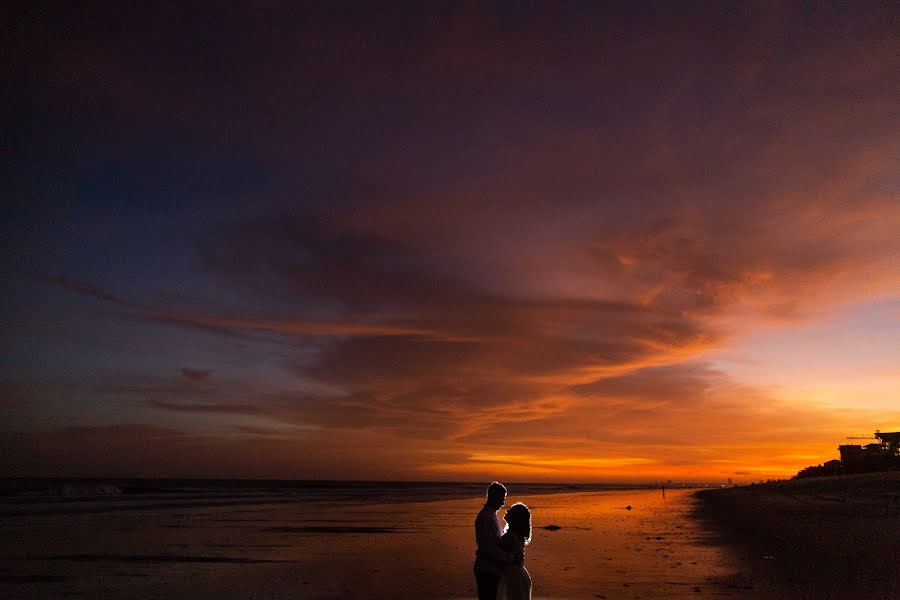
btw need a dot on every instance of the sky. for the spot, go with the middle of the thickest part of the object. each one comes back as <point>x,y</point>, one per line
<point>470,241</point>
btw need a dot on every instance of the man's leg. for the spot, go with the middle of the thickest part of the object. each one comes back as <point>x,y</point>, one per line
<point>487,585</point>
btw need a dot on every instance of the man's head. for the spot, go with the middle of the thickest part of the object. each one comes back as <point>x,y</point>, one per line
<point>496,495</point>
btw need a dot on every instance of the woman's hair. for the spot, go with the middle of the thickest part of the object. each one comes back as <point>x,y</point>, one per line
<point>518,519</point>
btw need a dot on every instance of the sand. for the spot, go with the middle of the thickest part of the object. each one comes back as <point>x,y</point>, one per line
<point>586,545</point>
<point>824,538</point>
<point>829,538</point>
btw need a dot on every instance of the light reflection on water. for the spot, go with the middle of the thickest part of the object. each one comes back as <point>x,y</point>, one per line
<point>601,549</point>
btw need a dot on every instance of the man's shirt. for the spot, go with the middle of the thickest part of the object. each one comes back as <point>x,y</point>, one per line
<point>489,558</point>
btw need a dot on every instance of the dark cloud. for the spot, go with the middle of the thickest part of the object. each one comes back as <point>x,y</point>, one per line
<point>253,430</point>
<point>232,409</point>
<point>679,384</point>
<point>124,431</point>
<point>195,374</point>
<point>81,287</point>
<point>248,328</point>
<point>137,450</point>
<point>306,254</point>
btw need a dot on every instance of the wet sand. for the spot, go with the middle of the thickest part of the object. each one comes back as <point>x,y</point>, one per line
<point>823,538</point>
<point>586,545</point>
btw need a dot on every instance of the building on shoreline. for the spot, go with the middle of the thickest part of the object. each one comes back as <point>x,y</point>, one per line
<point>883,455</point>
<point>890,441</point>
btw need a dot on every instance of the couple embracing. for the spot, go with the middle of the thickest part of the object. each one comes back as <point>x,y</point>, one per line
<point>500,559</point>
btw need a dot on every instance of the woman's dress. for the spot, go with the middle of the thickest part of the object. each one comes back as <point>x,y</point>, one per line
<point>515,583</point>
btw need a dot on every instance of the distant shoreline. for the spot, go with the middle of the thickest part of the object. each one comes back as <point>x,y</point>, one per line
<point>7,481</point>
<point>25,497</point>
<point>13,486</point>
<point>830,537</point>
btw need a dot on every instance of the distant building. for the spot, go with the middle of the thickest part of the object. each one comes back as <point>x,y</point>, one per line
<point>851,457</point>
<point>890,441</point>
<point>883,455</point>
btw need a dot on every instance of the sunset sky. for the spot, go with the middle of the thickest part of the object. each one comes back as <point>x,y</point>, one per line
<point>579,242</point>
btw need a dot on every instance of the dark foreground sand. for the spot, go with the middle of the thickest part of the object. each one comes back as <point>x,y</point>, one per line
<point>824,538</point>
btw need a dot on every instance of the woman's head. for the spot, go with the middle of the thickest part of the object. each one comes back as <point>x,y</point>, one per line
<point>518,519</point>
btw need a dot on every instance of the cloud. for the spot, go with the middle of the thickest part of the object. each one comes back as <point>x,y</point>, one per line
<point>619,428</point>
<point>631,423</point>
<point>419,338</point>
<point>123,431</point>
<point>195,374</point>
<point>666,288</point>
<point>234,409</point>
<point>478,227</point>
<point>237,326</point>
<point>138,450</point>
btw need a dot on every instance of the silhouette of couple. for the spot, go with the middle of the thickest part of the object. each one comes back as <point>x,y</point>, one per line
<point>500,559</point>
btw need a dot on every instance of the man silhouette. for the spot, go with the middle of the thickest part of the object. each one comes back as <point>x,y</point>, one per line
<point>490,558</point>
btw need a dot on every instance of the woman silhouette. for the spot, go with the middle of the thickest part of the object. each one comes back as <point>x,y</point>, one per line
<point>515,582</point>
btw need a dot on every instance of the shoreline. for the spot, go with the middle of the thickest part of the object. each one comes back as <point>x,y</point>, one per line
<point>818,538</point>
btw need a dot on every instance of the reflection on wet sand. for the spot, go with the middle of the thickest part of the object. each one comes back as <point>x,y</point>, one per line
<point>585,545</point>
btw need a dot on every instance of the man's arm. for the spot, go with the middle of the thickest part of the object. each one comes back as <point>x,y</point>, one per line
<point>489,542</point>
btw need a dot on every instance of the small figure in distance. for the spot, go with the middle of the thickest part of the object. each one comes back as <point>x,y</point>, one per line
<point>490,558</point>
<point>515,583</point>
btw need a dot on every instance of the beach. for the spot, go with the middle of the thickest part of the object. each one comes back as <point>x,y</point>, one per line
<point>353,542</point>
<point>826,538</point>
<point>820,538</point>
